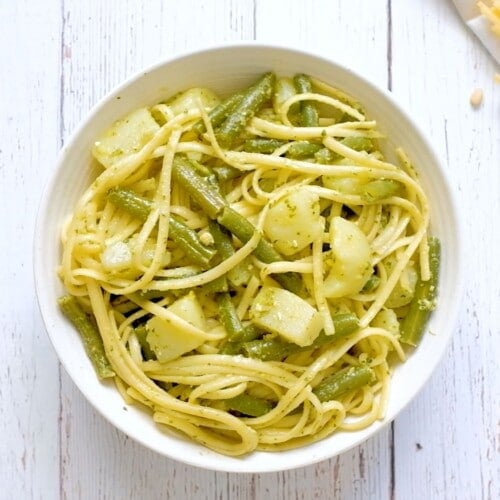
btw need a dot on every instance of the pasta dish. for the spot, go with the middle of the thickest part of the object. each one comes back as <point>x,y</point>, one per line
<point>251,270</point>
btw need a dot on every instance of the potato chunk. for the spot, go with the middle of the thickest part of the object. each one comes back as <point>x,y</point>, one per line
<point>168,341</point>
<point>125,137</point>
<point>349,259</point>
<point>294,221</point>
<point>282,312</point>
<point>191,99</point>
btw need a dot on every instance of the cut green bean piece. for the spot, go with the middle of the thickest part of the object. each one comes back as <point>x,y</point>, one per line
<point>344,381</point>
<point>262,145</point>
<point>141,333</point>
<point>308,112</point>
<point>199,188</point>
<point>241,273</point>
<point>326,156</point>
<point>130,202</point>
<point>182,235</point>
<point>269,349</point>
<point>244,230</point>
<point>358,143</point>
<point>344,324</point>
<point>302,149</point>
<point>226,172</point>
<point>199,168</point>
<point>251,101</point>
<point>218,114</point>
<point>89,333</point>
<point>275,349</point>
<point>231,348</point>
<point>381,189</point>
<point>372,283</point>
<point>249,405</point>
<point>218,285</point>
<point>189,241</point>
<point>229,317</point>
<point>236,345</point>
<point>424,300</point>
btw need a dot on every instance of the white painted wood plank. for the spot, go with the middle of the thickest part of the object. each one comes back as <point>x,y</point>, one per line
<point>352,32</point>
<point>29,125</point>
<point>447,441</point>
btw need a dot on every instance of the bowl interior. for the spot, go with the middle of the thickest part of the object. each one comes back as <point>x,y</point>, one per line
<point>225,69</point>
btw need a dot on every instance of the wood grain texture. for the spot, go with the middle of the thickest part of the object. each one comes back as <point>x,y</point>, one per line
<point>456,416</point>
<point>29,373</point>
<point>446,444</point>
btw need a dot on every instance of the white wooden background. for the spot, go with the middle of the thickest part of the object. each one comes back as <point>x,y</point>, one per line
<point>58,57</point>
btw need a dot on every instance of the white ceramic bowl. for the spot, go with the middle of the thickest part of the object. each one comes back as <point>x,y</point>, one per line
<point>225,69</point>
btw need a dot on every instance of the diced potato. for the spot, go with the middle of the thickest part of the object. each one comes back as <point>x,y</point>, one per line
<point>388,320</point>
<point>148,251</point>
<point>186,101</point>
<point>280,311</point>
<point>294,221</point>
<point>345,185</point>
<point>168,341</point>
<point>349,261</point>
<point>284,89</point>
<point>403,292</point>
<point>116,257</point>
<point>125,137</point>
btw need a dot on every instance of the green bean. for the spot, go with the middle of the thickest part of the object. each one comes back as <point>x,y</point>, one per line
<point>326,156</point>
<point>231,348</point>
<point>372,283</point>
<point>275,349</point>
<point>182,235</point>
<point>244,230</point>
<point>251,101</point>
<point>249,405</point>
<point>302,149</point>
<point>226,172</point>
<point>198,188</point>
<point>229,317</point>
<point>189,241</point>
<point>141,333</point>
<point>217,285</point>
<point>381,189</point>
<point>358,143</point>
<point>236,345</point>
<point>199,168</point>
<point>344,323</point>
<point>218,114</point>
<point>89,334</point>
<point>308,112</point>
<point>343,381</point>
<point>130,202</point>
<point>269,349</point>
<point>262,145</point>
<point>239,274</point>
<point>424,300</point>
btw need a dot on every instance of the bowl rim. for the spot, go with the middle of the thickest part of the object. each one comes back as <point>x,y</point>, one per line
<point>321,58</point>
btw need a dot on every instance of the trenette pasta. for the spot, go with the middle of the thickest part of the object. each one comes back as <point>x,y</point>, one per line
<point>252,266</point>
